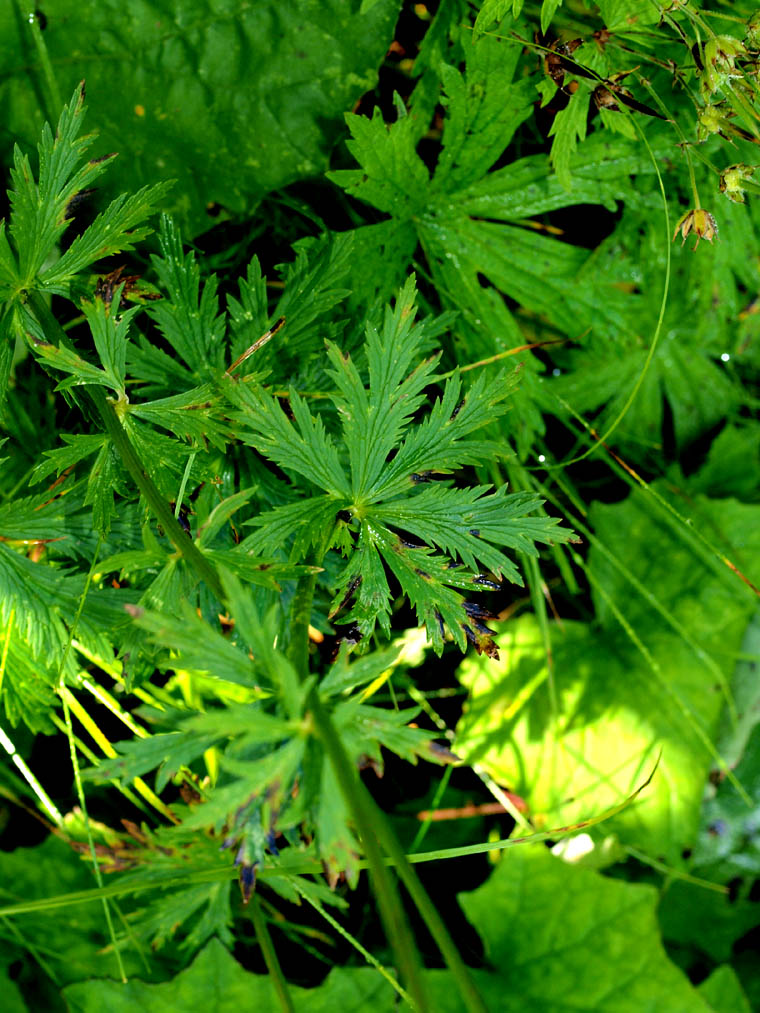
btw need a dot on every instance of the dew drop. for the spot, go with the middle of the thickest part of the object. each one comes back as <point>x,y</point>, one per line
<point>725,357</point>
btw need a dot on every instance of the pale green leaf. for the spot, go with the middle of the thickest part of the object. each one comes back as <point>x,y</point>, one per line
<point>563,938</point>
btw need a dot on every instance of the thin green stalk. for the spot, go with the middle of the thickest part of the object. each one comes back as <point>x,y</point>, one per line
<point>183,484</point>
<point>181,541</point>
<point>309,868</point>
<point>270,958</point>
<point>374,827</point>
<point>44,799</point>
<point>94,759</point>
<point>29,947</point>
<point>671,873</point>
<point>295,882</point>
<point>655,604</point>
<point>397,928</point>
<point>75,759</point>
<point>419,837</point>
<point>55,103</point>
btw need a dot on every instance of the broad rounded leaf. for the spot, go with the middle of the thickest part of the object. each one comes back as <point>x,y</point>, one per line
<point>231,100</point>
<point>563,938</point>
<point>216,983</point>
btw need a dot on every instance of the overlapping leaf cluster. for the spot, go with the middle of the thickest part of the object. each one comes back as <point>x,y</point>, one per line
<point>370,492</point>
<point>225,472</point>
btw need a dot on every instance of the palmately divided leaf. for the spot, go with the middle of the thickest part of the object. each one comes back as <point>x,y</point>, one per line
<point>392,494</point>
<point>188,319</point>
<point>115,230</point>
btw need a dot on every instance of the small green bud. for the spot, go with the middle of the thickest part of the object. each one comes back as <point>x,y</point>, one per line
<point>732,179</point>
<point>719,58</point>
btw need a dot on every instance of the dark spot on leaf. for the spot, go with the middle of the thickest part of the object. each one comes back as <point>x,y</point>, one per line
<point>427,476</point>
<point>350,590</point>
<point>482,581</point>
<point>352,636</point>
<point>475,532</point>
<point>41,19</point>
<point>272,844</point>
<point>247,881</point>
<point>443,754</point>
<point>458,409</point>
<point>76,201</point>
<point>476,611</point>
<point>410,545</point>
<point>481,640</point>
<point>421,573</point>
<point>439,620</point>
<point>103,158</point>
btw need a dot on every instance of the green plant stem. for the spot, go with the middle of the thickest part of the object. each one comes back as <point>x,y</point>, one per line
<point>270,958</point>
<point>337,927</point>
<point>375,830</point>
<point>44,799</point>
<point>298,625</point>
<point>397,928</point>
<point>51,84</point>
<point>181,541</point>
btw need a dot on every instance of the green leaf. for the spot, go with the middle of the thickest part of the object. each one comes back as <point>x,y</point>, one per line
<point>548,10</point>
<point>567,938</point>
<point>569,125</point>
<point>110,336</point>
<point>78,448</point>
<point>199,648</point>
<point>39,211</point>
<point>115,230</point>
<point>192,414</point>
<point>689,370</point>
<point>393,178</point>
<point>725,847</point>
<point>723,992</point>
<point>732,467</point>
<point>165,90</point>
<point>219,984</point>
<point>472,223</point>
<point>100,488</point>
<point>189,320</point>
<point>694,918</point>
<point>375,419</point>
<point>617,706</point>
<point>495,10</point>
<point>72,941</point>
<point>168,752</point>
<point>620,15</point>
